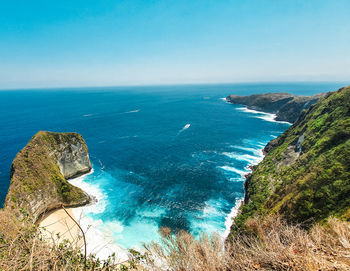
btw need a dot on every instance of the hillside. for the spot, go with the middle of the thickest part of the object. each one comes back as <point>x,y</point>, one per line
<point>40,171</point>
<point>305,175</point>
<point>287,107</point>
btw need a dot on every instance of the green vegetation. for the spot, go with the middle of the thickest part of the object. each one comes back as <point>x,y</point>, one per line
<point>304,178</point>
<point>305,175</point>
<point>37,183</point>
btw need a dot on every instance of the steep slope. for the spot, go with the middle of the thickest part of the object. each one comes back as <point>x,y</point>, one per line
<point>39,172</point>
<point>305,175</point>
<point>287,107</point>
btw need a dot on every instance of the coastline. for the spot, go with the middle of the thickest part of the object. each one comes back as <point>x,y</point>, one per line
<point>235,209</point>
<point>100,241</point>
<point>240,201</point>
<point>263,115</point>
<point>56,226</point>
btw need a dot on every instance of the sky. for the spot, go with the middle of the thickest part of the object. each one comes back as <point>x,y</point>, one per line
<point>61,43</point>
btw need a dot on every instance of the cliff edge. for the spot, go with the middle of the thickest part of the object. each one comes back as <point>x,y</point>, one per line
<point>305,175</point>
<point>287,107</point>
<point>40,171</point>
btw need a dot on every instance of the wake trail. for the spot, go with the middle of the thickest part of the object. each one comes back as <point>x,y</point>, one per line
<point>184,128</point>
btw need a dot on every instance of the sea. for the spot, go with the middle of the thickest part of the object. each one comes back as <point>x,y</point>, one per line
<point>162,156</point>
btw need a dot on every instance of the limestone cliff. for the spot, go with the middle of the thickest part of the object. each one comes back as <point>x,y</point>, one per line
<point>305,175</point>
<point>40,171</point>
<point>287,107</point>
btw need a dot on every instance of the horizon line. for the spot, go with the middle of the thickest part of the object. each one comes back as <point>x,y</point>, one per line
<point>174,84</point>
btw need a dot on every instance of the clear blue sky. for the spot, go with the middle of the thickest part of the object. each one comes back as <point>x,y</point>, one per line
<point>112,42</point>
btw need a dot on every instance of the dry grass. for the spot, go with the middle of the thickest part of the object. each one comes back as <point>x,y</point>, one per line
<point>22,248</point>
<point>271,245</point>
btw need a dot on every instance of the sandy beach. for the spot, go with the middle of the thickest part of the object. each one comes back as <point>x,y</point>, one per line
<point>58,226</point>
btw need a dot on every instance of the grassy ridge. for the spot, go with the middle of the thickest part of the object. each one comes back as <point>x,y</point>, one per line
<point>305,175</point>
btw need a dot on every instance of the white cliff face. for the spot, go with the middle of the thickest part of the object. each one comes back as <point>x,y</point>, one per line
<point>73,159</point>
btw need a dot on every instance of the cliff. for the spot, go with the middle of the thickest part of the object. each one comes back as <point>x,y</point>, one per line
<point>287,107</point>
<point>40,171</point>
<point>305,175</point>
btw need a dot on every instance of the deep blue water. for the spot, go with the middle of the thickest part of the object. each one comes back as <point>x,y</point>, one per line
<point>151,171</point>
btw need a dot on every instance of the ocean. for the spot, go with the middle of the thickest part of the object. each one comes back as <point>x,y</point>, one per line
<point>163,156</point>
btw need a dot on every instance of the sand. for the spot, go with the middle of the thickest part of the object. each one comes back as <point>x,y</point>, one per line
<point>58,222</point>
<point>58,226</point>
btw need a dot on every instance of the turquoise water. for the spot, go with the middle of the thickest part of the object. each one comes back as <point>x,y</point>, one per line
<point>171,156</point>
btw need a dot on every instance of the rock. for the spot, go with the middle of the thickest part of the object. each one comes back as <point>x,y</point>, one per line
<point>40,171</point>
<point>73,159</point>
<point>287,107</point>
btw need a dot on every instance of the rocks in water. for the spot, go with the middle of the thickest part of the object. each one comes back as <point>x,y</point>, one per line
<point>40,171</point>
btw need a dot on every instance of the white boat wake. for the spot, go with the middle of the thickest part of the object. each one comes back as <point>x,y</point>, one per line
<point>184,128</point>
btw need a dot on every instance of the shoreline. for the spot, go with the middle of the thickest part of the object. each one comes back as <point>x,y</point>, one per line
<point>271,117</point>
<point>240,201</point>
<point>247,109</point>
<point>265,115</point>
<point>56,225</point>
<point>100,241</point>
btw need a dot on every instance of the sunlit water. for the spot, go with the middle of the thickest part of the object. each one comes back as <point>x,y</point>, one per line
<point>170,156</point>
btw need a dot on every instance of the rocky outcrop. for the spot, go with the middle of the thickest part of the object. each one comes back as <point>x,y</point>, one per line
<point>287,107</point>
<point>305,174</point>
<point>72,157</point>
<point>40,171</point>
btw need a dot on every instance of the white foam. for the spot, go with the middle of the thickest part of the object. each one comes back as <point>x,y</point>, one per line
<point>286,122</point>
<point>232,169</point>
<point>261,115</point>
<point>208,219</point>
<point>268,117</point>
<point>256,150</point>
<point>132,111</point>
<point>253,160</point>
<point>247,110</point>
<point>230,216</point>
<point>236,179</point>
<point>99,239</point>
<point>210,210</point>
<point>261,144</point>
<point>245,157</point>
<point>87,115</point>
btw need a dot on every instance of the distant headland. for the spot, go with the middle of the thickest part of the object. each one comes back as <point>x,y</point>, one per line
<point>287,107</point>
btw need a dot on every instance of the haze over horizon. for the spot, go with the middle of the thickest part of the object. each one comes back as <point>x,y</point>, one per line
<point>105,43</point>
